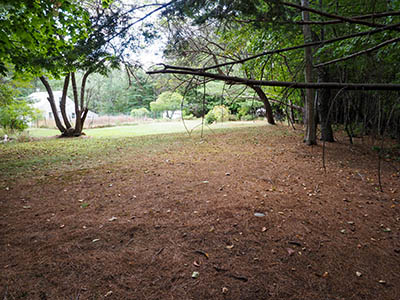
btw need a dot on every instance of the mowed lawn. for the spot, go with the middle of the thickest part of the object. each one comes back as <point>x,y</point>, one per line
<point>148,128</point>
<point>101,145</point>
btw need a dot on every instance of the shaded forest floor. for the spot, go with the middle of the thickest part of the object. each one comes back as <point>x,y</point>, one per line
<point>250,213</point>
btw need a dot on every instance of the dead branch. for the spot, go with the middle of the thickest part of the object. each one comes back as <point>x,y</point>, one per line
<point>395,40</point>
<point>332,16</point>
<point>311,44</point>
<point>297,85</point>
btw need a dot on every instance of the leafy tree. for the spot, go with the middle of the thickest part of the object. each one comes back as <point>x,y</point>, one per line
<point>219,113</point>
<point>274,34</point>
<point>168,102</point>
<point>16,115</point>
<point>86,36</point>
<point>140,112</point>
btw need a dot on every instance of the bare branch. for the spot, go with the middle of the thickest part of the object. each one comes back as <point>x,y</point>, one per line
<point>316,43</point>
<point>395,40</point>
<point>297,85</point>
<point>331,22</point>
<point>332,16</point>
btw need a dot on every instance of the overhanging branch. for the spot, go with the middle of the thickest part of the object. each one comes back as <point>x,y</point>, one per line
<point>316,43</point>
<point>358,53</point>
<point>296,85</point>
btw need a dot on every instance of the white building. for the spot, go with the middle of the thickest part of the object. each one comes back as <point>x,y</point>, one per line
<point>41,103</point>
<point>172,114</point>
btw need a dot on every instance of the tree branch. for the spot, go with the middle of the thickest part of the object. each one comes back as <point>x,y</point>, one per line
<point>316,43</point>
<point>331,22</point>
<point>358,53</point>
<point>332,16</point>
<point>297,85</point>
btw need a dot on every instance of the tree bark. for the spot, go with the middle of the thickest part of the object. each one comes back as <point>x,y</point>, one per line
<point>323,106</point>
<point>62,102</point>
<point>52,102</point>
<point>267,105</point>
<point>310,135</point>
<point>78,126</point>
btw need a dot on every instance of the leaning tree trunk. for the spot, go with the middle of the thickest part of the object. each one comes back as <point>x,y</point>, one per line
<point>62,105</point>
<point>267,105</point>
<point>78,123</point>
<point>310,137</point>
<point>52,102</point>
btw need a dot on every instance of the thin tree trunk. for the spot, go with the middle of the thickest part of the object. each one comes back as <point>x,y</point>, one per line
<point>310,137</point>
<point>323,106</point>
<point>83,109</point>
<point>78,126</point>
<point>52,102</point>
<point>267,105</point>
<point>62,102</point>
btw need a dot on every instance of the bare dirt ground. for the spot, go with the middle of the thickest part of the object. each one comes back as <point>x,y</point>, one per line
<point>141,228</point>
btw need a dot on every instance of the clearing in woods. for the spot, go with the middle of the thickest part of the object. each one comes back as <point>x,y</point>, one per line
<point>250,210</point>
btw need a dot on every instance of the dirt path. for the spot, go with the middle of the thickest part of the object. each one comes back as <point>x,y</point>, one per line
<point>142,227</point>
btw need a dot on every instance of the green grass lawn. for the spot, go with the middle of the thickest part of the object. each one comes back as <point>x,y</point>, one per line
<point>100,146</point>
<point>145,129</point>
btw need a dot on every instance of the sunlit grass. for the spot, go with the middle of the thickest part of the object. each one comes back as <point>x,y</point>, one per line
<point>99,146</point>
<point>146,129</point>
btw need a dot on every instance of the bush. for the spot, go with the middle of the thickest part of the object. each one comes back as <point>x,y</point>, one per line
<point>210,118</point>
<point>16,116</point>
<point>219,113</point>
<point>140,112</point>
<point>188,117</point>
<point>248,118</point>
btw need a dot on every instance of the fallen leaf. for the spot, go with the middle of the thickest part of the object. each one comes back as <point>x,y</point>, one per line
<point>290,251</point>
<point>109,293</point>
<point>259,214</point>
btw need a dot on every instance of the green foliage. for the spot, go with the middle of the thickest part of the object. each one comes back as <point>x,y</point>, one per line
<point>167,101</point>
<point>219,113</point>
<point>31,30</point>
<point>16,116</point>
<point>140,112</point>
<point>247,109</point>
<point>7,94</point>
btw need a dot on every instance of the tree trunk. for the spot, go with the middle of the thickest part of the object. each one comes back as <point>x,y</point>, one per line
<point>267,105</point>
<point>62,102</point>
<point>78,123</point>
<point>310,137</point>
<point>323,106</point>
<point>52,102</point>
